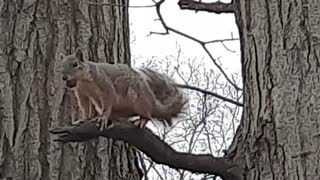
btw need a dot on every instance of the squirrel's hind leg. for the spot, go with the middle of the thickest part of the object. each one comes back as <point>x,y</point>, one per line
<point>143,107</point>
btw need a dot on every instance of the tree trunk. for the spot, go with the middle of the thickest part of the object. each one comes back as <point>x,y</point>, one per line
<point>33,99</point>
<point>280,57</point>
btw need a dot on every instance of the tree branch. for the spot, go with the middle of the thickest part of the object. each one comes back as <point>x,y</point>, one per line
<point>210,93</point>
<point>159,151</point>
<point>202,43</point>
<point>215,7</point>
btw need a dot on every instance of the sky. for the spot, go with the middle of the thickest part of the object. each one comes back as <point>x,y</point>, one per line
<point>201,25</point>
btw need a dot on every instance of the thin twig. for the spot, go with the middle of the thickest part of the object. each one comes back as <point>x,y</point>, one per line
<point>221,40</point>
<point>227,48</point>
<point>210,93</point>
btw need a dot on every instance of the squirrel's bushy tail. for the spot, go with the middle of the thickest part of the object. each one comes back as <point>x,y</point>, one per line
<point>170,98</point>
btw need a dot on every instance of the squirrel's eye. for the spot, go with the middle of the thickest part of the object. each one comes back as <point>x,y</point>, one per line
<point>75,64</point>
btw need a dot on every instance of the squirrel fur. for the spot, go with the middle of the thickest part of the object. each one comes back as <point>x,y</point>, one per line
<point>105,90</point>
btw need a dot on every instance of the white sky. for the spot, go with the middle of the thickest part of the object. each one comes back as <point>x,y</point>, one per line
<point>202,25</point>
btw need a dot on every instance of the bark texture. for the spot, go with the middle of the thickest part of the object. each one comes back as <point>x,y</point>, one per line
<point>32,97</point>
<point>280,43</point>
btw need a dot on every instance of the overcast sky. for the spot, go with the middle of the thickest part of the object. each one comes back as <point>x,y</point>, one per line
<point>202,25</point>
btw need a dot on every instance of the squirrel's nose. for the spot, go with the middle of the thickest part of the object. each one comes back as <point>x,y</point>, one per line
<point>64,77</point>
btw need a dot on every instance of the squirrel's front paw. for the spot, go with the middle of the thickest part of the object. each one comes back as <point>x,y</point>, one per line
<point>141,123</point>
<point>104,124</point>
<point>96,121</point>
<point>77,122</point>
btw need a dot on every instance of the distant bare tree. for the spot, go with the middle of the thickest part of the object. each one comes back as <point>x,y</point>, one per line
<point>209,124</point>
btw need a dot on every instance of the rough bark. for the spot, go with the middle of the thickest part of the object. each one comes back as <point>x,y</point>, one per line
<point>280,60</point>
<point>32,97</point>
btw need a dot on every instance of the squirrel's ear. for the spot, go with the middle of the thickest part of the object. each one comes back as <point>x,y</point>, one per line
<point>79,54</point>
<point>61,56</point>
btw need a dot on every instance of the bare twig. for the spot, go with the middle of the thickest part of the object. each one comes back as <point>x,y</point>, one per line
<point>159,151</point>
<point>228,49</point>
<point>221,40</point>
<point>143,165</point>
<point>210,93</point>
<point>158,173</point>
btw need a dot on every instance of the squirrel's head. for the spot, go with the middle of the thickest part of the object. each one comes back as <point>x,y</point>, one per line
<point>73,68</point>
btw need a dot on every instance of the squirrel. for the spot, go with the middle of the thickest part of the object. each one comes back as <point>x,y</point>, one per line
<point>116,90</point>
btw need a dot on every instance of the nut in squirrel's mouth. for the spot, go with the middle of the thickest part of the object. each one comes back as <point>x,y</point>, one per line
<point>71,83</point>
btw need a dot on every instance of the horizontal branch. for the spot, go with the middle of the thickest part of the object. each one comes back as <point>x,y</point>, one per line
<point>210,93</point>
<point>215,7</point>
<point>147,142</point>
